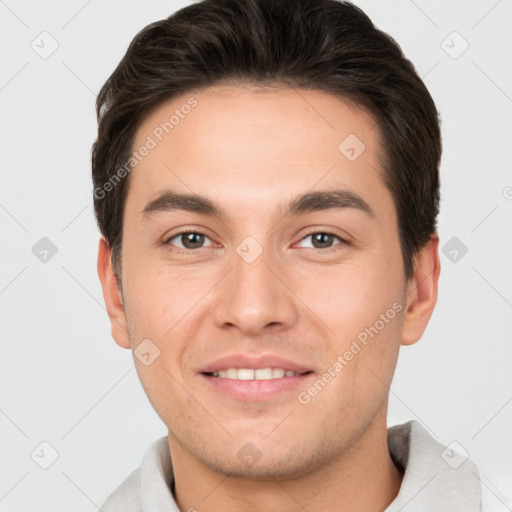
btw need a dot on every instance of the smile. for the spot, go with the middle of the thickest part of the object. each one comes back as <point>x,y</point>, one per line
<point>251,374</point>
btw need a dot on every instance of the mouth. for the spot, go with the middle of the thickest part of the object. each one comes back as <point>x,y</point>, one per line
<point>255,374</point>
<point>248,379</point>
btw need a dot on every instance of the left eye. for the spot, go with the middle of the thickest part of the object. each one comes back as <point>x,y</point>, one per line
<point>189,240</point>
<point>322,240</point>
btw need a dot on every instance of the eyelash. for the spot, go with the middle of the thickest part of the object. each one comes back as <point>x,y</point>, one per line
<point>323,232</point>
<point>326,232</point>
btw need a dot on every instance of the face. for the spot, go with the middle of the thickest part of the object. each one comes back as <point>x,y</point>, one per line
<point>273,303</point>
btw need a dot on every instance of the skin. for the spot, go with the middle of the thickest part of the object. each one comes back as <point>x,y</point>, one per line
<point>252,152</point>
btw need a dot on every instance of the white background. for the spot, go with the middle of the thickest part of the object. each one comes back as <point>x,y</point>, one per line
<point>65,381</point>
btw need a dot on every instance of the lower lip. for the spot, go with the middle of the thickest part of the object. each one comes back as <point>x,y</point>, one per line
<point>255,390</point>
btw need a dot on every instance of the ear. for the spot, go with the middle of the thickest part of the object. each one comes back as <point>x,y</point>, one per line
<point>421,292</point>
<point>112,295</point>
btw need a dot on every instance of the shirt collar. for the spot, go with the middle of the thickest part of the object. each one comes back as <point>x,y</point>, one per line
<point>435,477</point>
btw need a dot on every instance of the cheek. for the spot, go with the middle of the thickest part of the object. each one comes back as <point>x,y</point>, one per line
<point>359,368</point>
<point>350,297</point>
<point>167,306</point>
<point>157,297</point>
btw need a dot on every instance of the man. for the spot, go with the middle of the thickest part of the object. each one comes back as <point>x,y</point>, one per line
<point>266,184</point>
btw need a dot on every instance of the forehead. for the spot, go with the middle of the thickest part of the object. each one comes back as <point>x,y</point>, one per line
<point>232,143</point>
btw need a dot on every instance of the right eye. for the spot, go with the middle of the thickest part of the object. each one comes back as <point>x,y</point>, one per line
<point>189,240</point>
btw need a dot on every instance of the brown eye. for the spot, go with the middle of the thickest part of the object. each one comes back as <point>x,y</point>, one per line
<point>323,240</point>
<point>188,240</point>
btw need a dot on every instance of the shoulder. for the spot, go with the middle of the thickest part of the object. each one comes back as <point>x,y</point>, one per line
<point>435,476</point>
<point>126,497</point>
<point>155,467</point>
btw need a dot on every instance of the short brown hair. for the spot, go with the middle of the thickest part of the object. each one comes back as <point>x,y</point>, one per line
<point>325,45</point>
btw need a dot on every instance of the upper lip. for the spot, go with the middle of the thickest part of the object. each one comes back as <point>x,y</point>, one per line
<point>254,362</point>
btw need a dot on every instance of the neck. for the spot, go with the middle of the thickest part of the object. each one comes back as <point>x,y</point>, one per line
<point>364,479</point>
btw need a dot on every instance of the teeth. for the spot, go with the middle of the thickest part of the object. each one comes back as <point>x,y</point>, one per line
<point>231,373</point>
<point>250,374</point>
<point>245,374</point>
<point>263,373</point>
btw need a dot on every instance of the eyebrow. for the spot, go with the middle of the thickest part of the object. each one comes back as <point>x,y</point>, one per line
<point>304,203</point>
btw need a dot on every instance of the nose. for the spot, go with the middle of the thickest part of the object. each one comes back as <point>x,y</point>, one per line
<point>255,297</point>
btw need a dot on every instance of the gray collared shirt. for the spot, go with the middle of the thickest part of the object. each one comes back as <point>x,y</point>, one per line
<point>436,478</point>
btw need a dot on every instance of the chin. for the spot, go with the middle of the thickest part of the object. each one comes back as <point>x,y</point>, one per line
<point>266,461</point>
